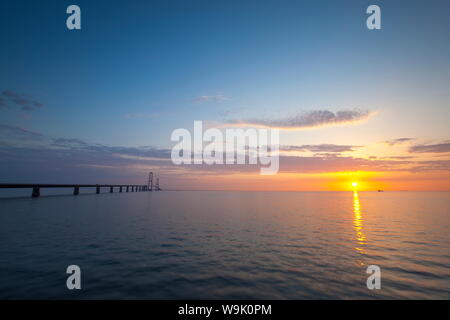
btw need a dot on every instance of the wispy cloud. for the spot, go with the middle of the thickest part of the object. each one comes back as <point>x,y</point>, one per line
<point>16,99</point>
<point>213,98</point>
<point>430,148</point>
<point>399,141</point>
<point>18,137</point>
<point>11,136</point>
<point>325,148</point>
<point>2,103</point>
<point>310,119</point>
<point>69,143</point>
<point>30,156</point>
<point>399,157</point>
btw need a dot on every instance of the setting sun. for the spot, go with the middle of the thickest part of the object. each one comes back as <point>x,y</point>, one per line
<point>354,184</point>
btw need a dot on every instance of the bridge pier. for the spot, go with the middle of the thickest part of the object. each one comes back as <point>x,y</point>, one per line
<point>111,189</point>
<point>36,192</point>
<point>120,189</point>
<point>76,190</point>
<point>127,188</point>
<point>97,190</point>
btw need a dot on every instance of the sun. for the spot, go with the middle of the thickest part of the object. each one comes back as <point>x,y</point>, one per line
<point>354,184</point>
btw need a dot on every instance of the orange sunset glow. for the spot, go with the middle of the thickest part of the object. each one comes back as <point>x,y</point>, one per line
<point>334,181</point>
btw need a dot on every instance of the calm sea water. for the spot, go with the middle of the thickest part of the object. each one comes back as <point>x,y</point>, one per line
<point>227,245</point>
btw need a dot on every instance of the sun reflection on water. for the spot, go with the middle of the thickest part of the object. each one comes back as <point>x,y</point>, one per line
<point>358,223</point>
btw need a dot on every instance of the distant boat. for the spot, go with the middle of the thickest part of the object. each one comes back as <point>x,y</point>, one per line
<point>379,190</point>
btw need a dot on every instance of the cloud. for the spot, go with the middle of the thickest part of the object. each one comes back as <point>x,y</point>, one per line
<point>69,143</point>
<point>432,165</point>
<point>325,148</point>
<point>431,148</point>
<point>2,103</point>
<point>310,119</point>
<point>321,164</point>
<point>10,94</point>
<point>399,141</point>
<point>11,136</point>
<point>19,137</point>
<point>399,157</point>
<point>27,156</point>
<point>25,103</point>
<point>213,98</point>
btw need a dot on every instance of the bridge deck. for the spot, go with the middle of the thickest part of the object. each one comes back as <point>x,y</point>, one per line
<point>42,185</point>
<point>36,187</point>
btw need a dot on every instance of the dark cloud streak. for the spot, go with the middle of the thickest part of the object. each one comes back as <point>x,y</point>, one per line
<point>399,141</point>
<point>430,148</point>
<point>327,148</point>
<point>24,102</point>
<point>309,119</point>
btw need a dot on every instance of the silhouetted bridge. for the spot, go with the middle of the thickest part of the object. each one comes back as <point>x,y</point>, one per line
<point>36,187</point>
<point>76,187</point>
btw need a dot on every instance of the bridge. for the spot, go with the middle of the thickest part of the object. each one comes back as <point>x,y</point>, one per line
<point>36,187</point>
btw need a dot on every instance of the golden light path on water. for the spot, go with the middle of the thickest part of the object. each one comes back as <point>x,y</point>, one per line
<point>358,223</point>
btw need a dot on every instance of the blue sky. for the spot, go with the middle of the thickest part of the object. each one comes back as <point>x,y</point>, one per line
<point>139,69</point>
<point>152,59</point>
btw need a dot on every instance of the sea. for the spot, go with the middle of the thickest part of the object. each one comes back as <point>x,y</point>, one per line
<point>226,245</point>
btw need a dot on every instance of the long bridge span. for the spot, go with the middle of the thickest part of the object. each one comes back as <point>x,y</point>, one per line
<point>36,187</point>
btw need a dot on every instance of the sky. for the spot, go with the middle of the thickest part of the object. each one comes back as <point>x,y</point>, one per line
<point>98,105</point>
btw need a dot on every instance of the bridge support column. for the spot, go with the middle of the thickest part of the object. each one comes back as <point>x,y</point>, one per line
<point>120,189</point>
<point>111,189</point>
<point>97,190</point>
<point>76,191</point>
<point>36,192</point>
<point>128,188</point>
